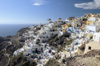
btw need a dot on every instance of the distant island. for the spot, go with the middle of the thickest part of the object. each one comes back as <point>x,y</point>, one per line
<point>70,42</point>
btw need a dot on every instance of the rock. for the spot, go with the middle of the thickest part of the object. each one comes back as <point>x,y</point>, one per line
<point>23,30</point>
<point>1,39</point>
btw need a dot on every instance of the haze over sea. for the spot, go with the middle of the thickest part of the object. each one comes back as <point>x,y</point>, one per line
<point>11,29</point>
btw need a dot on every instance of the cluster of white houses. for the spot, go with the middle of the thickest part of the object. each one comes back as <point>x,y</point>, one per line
<point>83,32</point>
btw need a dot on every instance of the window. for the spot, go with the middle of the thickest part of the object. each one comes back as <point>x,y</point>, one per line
<point>89,48</point>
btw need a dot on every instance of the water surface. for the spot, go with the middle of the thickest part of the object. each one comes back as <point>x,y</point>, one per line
<point>11,29</point>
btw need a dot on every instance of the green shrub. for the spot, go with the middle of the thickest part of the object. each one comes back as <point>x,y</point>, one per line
<point>52,62</point>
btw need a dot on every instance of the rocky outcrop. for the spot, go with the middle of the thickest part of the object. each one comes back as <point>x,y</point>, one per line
<point>1,39</point>
<point>23,30</point>
<point>7,46</point>
<point>10,44</point>
<point>3,58</point>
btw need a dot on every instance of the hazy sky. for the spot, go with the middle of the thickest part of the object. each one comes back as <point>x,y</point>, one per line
<point>38,11</point>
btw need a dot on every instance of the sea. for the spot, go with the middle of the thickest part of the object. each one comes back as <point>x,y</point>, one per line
<point>11,29</point>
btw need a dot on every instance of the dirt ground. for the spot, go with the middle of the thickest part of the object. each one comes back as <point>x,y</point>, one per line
<point>88,61</point>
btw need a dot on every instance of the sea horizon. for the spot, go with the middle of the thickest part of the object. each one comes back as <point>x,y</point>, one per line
<point>11,29</point>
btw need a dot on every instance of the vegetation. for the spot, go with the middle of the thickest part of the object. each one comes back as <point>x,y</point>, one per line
<point>20,60</point>
<point>84,19</point>
<point>60,42</point>
<point>10,44</point>
<point>52,62</point>
<point>3,58</point>
<point>7,46</point>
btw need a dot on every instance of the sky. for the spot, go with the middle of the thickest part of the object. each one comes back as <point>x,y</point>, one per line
<point>38,11</point>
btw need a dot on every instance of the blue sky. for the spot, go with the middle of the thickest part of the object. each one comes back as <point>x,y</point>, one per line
<point>38,11</point>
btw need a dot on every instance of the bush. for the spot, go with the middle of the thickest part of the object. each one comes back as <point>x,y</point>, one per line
<point>21,60</point>
<point>84,19</point>
<point>52,62</point>
<point>61,41</point>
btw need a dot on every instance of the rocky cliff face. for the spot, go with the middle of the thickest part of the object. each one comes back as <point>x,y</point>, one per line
<point>8,45</point>
<point>23,30</point>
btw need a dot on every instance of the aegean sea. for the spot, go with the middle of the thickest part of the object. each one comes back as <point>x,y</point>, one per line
<point>11,29</point>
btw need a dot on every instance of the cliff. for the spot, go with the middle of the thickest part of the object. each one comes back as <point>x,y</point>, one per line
<point>23,30</point>
<point>10,44</point>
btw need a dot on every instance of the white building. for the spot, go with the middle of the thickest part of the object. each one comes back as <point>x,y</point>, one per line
<point>60,33</point>
<point>68,21</point>
<point>92,28</point>
<point>96,37</point>
<point>72,30</point>
<point>49,25</point>
<point>59,22</point>
<point>80,34</point>
<point>75,44</point>
<point>92,19</point>
<point>46,32</point>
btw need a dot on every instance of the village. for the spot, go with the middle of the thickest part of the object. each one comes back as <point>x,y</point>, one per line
<point>42,43</point>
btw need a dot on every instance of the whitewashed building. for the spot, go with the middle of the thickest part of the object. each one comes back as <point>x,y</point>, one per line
<point>92,28</point>
<point>96,36</point>
<point>92,19</point>
<point>60,33</point>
